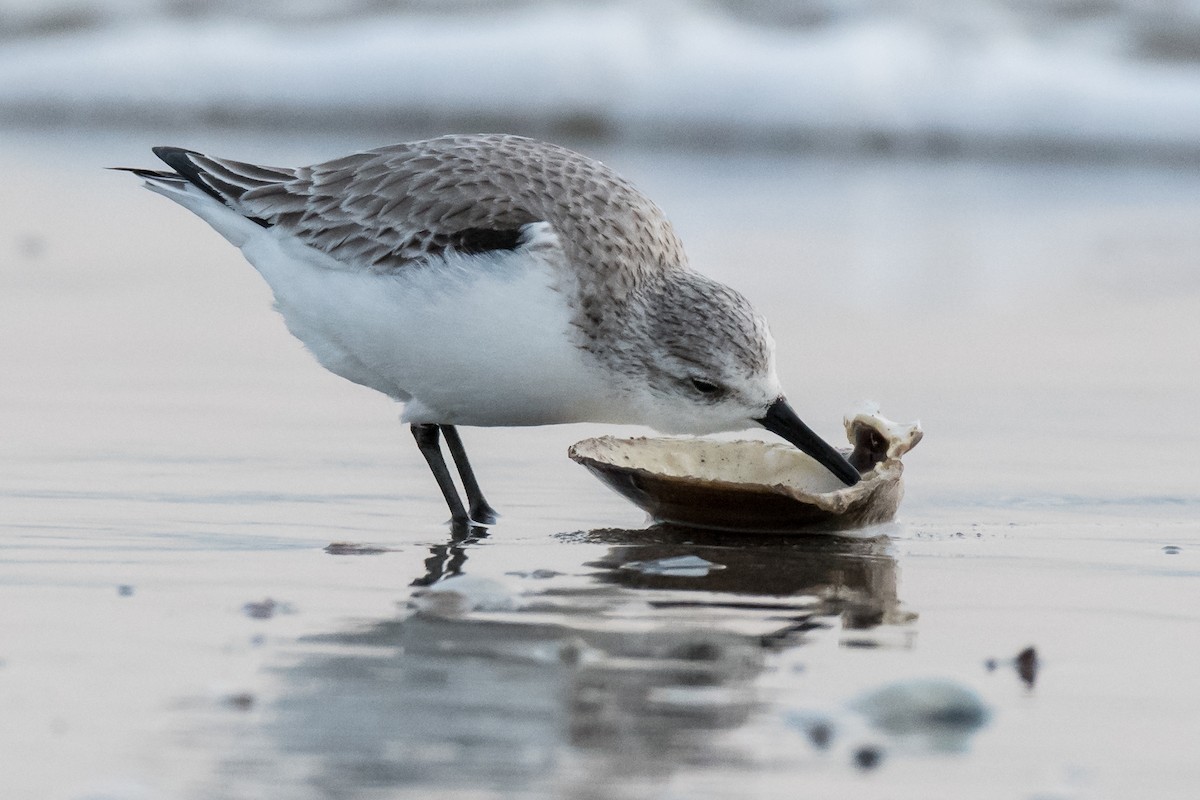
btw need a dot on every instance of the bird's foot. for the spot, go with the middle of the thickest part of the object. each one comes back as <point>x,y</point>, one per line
<point>484,514</point>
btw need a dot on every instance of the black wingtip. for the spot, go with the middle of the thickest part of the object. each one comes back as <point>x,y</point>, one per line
<point>175,157</point>
<point>148,174</point>
<point>179,159</point>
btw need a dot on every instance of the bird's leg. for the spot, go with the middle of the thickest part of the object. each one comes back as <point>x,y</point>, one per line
<point>481,512</point>
<point>427,442</point>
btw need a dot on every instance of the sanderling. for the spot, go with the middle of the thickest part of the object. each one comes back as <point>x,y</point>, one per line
<point>495,280</point>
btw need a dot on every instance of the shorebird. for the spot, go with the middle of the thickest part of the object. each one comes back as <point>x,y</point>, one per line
<point>494,280</point>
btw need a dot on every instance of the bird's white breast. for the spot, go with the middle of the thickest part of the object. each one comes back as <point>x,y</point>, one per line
<point>469,339</point>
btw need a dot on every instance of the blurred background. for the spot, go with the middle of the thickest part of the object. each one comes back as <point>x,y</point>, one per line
<point>1027,78</point>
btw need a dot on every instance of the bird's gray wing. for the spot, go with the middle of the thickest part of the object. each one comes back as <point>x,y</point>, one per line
<point>385,208</point>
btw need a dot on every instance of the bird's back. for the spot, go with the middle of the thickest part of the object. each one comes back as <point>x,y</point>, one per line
<point>388,208</point>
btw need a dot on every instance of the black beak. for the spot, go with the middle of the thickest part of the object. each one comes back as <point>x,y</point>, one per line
<point>782,420</point>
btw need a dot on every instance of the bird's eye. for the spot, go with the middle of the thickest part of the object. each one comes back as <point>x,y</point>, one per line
<point>705,387</point>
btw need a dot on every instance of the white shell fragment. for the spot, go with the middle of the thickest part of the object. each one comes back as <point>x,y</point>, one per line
<point>676,567</point>
<point>897,438</point>
<point>754,485</point>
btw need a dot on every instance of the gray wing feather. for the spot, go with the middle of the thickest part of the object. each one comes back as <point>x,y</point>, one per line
<point>386,208</point>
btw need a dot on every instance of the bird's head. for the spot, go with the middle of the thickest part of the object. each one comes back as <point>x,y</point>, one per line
<point>708,364</point>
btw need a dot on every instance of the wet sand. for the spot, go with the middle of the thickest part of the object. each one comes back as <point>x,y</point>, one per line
<point>171,460</point>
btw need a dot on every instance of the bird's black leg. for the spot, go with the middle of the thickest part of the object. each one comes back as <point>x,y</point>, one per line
<point>481,512</point>
<point>427,442</point>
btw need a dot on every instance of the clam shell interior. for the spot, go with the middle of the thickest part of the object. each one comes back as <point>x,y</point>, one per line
<point>712,461</point>
<point>755,485</point>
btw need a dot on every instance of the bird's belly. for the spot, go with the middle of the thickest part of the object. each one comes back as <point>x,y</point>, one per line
<point>473,340</point>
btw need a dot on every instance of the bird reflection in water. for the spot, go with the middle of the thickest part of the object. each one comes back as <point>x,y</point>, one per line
<point>622,677</point>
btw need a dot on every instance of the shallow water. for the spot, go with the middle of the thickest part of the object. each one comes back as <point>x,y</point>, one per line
<point>171,460</point>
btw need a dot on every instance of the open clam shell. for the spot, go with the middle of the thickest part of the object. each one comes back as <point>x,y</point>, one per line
<point>753,485</point>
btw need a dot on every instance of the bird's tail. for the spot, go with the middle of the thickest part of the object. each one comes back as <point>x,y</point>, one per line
<point>194,190</point>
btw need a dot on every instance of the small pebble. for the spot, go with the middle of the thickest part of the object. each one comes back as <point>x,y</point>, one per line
<point>242,701</point>
<point>265,609</point>
<point>867,757</point>
<point>1027,666</point>
<point>1025,663</point>
<point>353,549</point>
<point>820,734</point>
<point>125,590</point>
